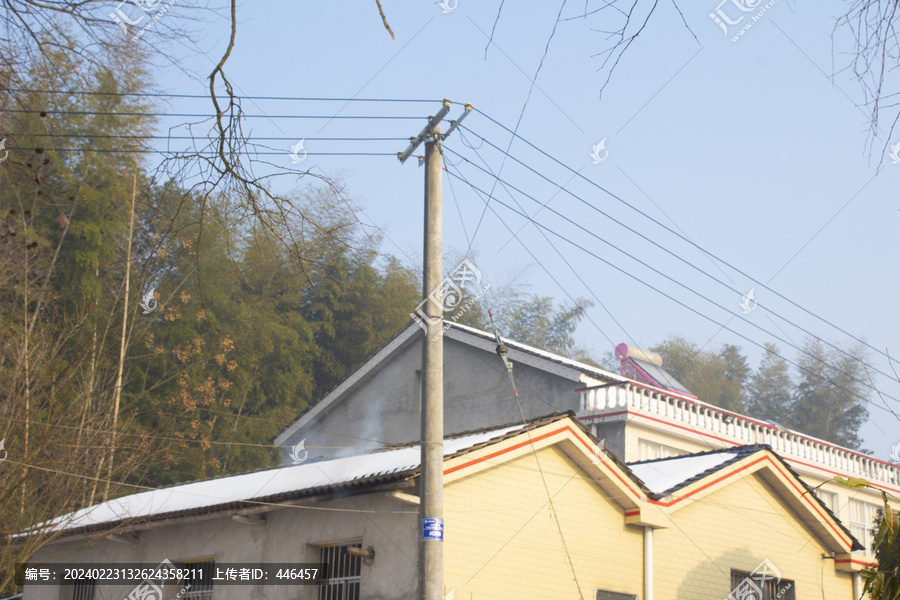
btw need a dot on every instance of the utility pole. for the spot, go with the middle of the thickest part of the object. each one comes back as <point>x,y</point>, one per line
<point>431,480</point>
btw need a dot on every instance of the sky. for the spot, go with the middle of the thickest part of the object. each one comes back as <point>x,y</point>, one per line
<point>756,150</point>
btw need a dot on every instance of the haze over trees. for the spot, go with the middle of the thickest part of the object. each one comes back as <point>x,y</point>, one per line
<point>824,396</point>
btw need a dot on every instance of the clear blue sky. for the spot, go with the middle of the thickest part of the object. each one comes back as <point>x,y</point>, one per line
<point>749,148</point>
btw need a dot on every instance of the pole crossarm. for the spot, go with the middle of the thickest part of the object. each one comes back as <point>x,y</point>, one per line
<point>429,129</point>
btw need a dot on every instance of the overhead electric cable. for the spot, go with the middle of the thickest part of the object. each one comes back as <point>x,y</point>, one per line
<point>680,236</point>
<point>673,280</point>
<point>679,257</point>
<point>204,116</point>
<point>207,96</point>
<point>670,297</point>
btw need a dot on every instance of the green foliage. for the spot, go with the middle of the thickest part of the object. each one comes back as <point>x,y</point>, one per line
<point>717,377</point>
<point>883,582</point>
<point>535,322</point>
<point>770,388</point>
<point>829,400</point>
<point>824,398</point>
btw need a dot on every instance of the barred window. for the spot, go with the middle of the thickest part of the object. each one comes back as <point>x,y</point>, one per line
<point>200,586</point>
<point>753,586</point>
<point>342,572</point>
<point>83,589</point>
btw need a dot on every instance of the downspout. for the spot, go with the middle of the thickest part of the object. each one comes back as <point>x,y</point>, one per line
<point>648,563</point>
<point>857,587</point>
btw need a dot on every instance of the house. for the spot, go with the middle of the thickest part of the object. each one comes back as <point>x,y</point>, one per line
<point>534,509</point>
<point>646,415</point>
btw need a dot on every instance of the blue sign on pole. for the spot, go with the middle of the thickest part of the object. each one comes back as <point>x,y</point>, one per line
<point>433,529</point>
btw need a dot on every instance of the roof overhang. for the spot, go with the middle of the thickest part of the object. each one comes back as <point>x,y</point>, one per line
<point>573,439</point>
<point>767,466</point>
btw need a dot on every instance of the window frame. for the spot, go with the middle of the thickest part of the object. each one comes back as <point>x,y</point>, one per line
<point>342,584</point>
<point>602,594</point>
<point>664,450</point>
<point>871,512</point>
<point>204,593</point>
<point>771,591</point>
<point>76,594</point>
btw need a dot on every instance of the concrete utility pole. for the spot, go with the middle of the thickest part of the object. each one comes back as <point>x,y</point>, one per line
<point>431,549</point>
<point>431,481</point>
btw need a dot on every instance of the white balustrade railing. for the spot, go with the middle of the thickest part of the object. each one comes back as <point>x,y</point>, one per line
<point>612,399</point>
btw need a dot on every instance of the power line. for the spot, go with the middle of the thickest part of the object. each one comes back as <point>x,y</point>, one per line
<point>515,235</point>
<point>530,253</point>
<point>189,137</point>
<point>641,281</point>
<point>188,152</point>
<point>675,281</point>
<point>677,234</point>
<point>675,255</point>
<point>203,116</point>
<point>207,96</point>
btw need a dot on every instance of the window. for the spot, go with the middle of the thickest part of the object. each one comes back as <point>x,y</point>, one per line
<point>201,587</point>
<point>608,595</point>
<point>653,450</point>
<point>830,499</point>
<point>862,522</point>
<point>760,586</point>
<point>342,572</point>
<point>83,589</point>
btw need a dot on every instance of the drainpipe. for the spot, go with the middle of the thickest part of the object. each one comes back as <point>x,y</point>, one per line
<point>648,563</point>
<point>857,587</point>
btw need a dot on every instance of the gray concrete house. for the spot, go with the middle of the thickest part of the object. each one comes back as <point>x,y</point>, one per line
<point>379,403</point>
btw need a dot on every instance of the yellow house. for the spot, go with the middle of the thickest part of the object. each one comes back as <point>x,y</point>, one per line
<point>538,509</point>
<point>553,516</point>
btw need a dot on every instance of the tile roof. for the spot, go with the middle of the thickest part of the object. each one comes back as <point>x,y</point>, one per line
<point>279,484</point>
<point>662,475</point>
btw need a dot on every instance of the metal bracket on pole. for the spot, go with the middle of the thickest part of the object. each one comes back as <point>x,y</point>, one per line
<point>455,124</point>
<point>429,129</point>
<point>432,123</point>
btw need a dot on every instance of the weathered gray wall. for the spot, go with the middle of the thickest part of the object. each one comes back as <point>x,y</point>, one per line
<point>289,535</point>
<point>477,394</point>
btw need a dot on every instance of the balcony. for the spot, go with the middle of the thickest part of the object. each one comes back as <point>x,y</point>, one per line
<point>620,401</point>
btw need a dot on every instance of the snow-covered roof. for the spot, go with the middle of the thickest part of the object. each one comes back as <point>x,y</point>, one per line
<point>665,474</point>
<point>260,485</point>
